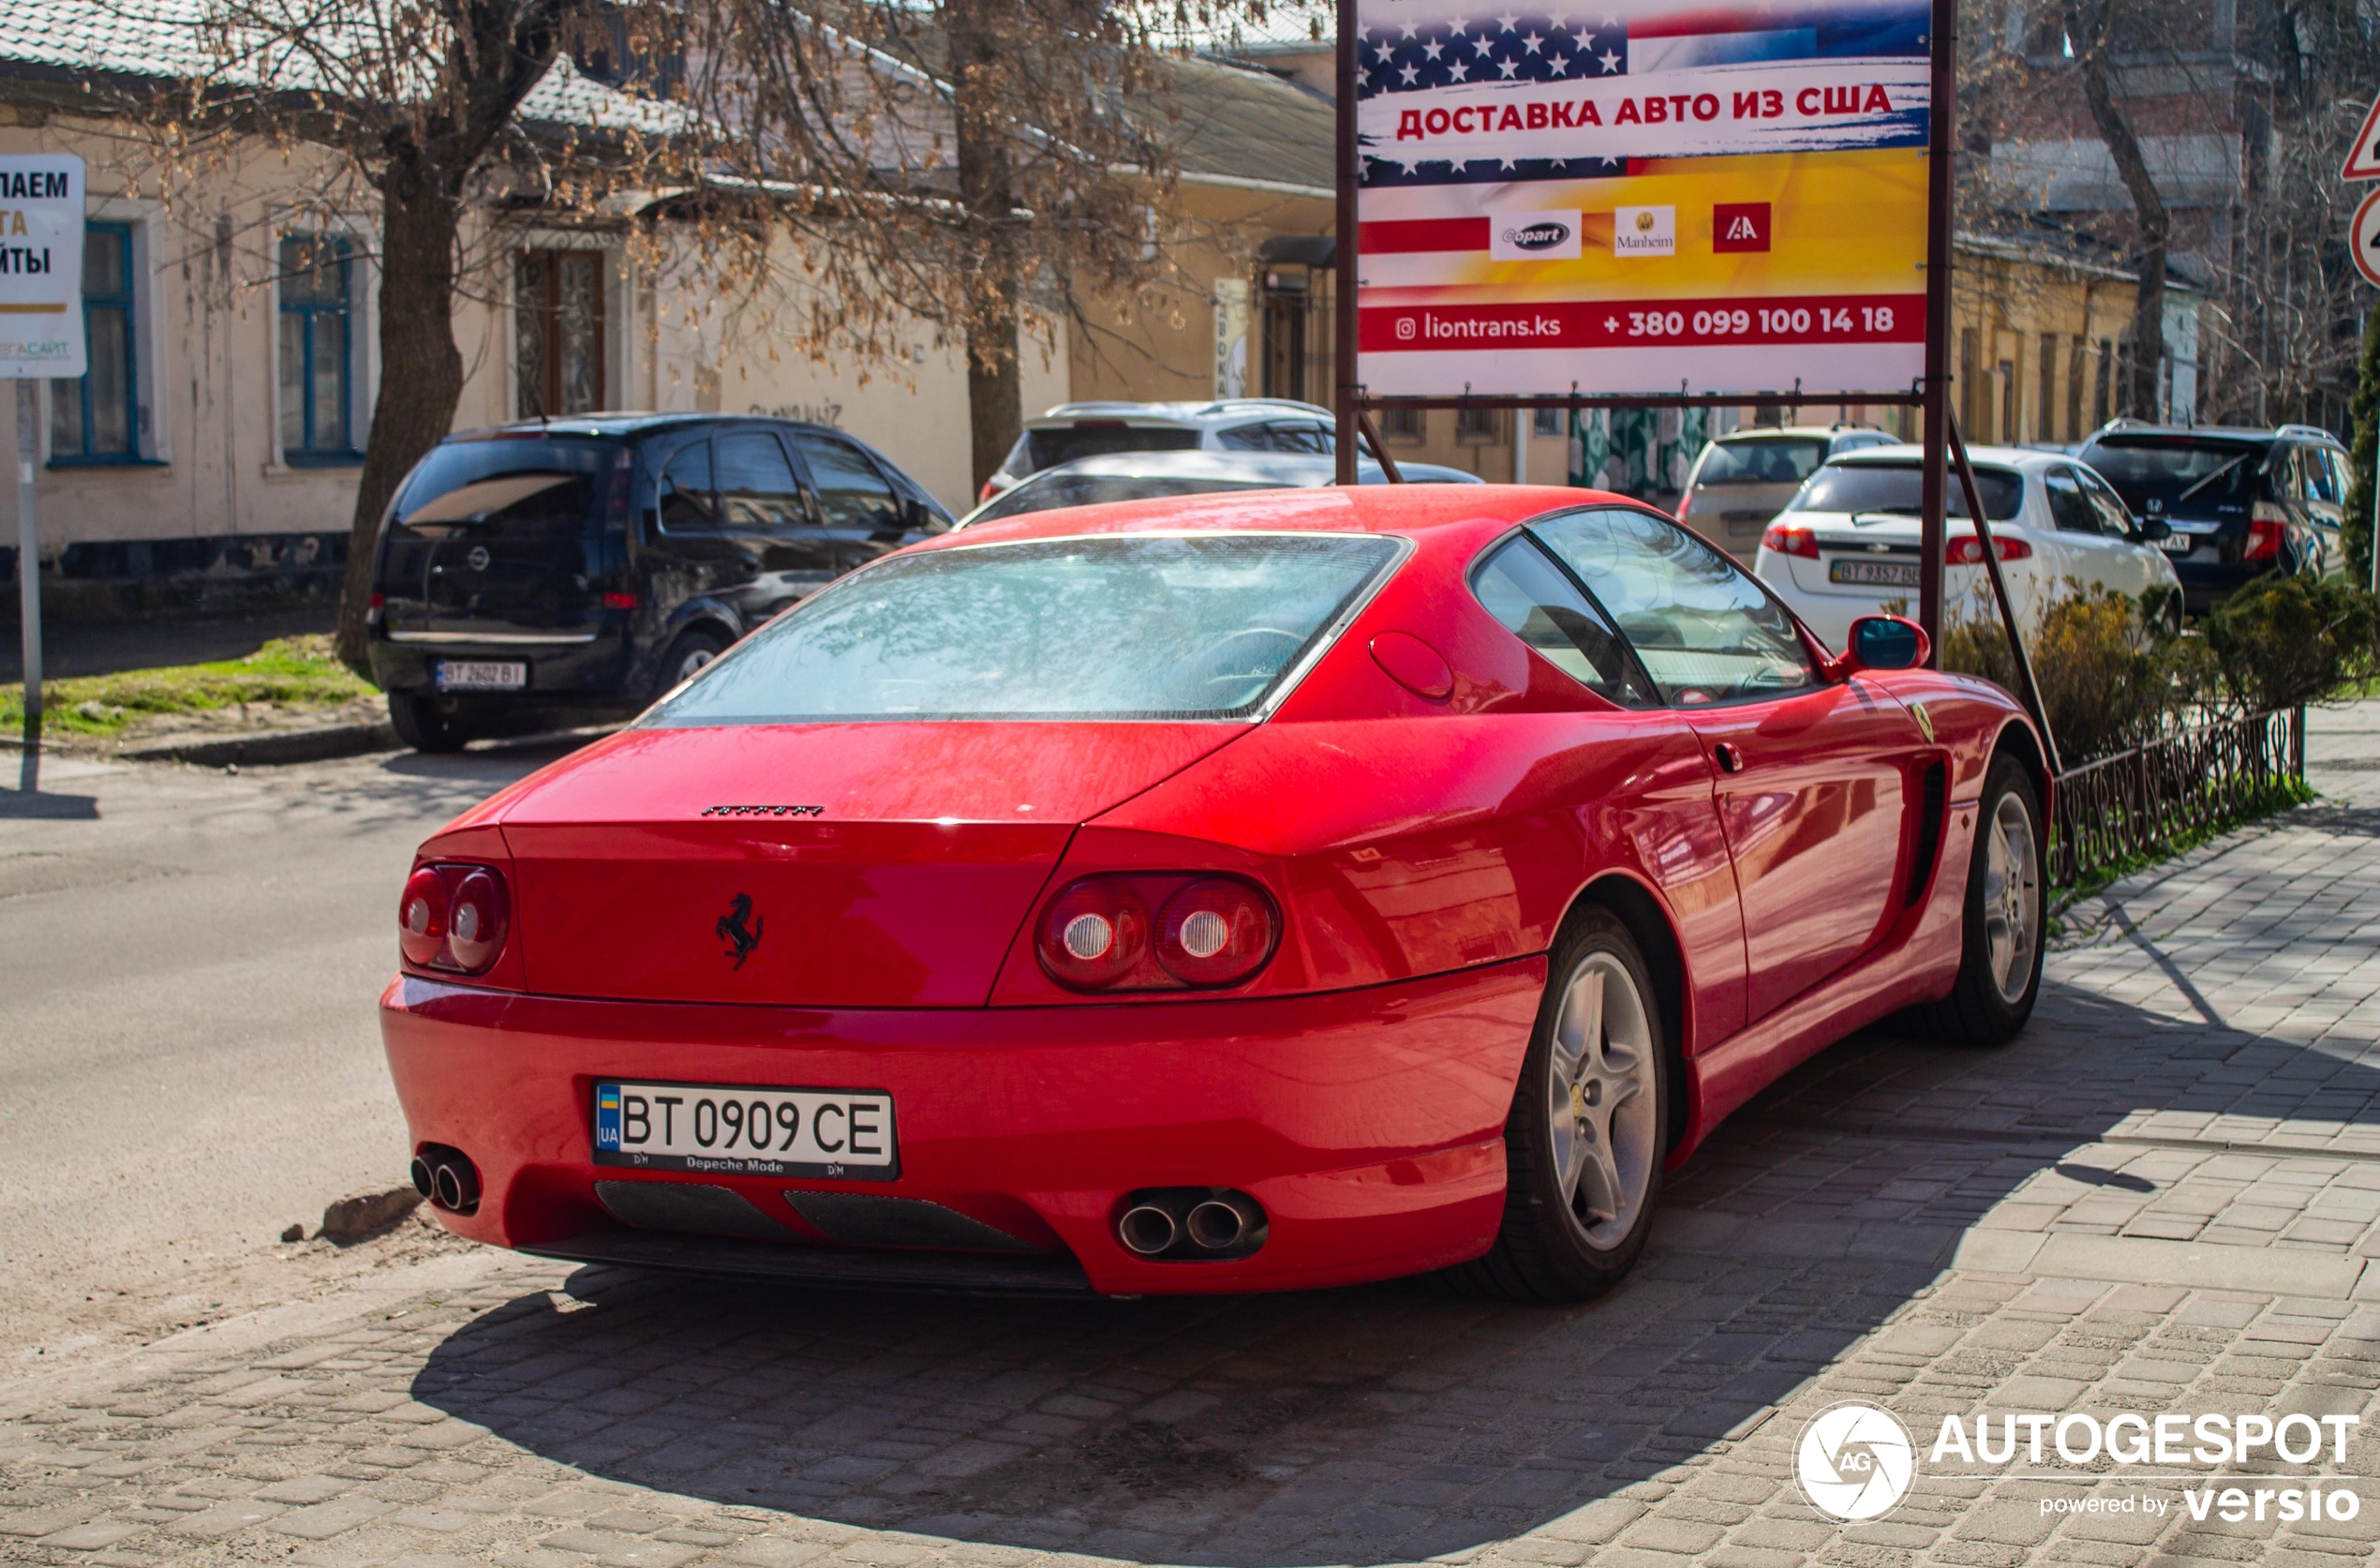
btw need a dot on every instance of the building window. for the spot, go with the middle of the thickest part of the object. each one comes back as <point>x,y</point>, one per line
<point>1479,426</point>
<point>1967,417</point>
<point>318,350</point>
<point>97,419</point>
<point>1401,422</point>
<point>557,332</point>
<point>2077,369</point>
<point>2046,416</point>
<point>1549,422</point>
<point>2008,393</point>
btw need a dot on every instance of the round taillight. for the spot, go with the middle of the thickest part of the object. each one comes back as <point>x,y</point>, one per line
<point>1094,932</point>
<point>475,925</point>
<point>421,916</point>
<point>1214,931</point>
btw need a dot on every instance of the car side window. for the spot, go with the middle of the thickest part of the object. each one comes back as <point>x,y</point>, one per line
<point>2070,505</point>
<point>2115,517</point>
<point>1536,602</point>
<point>1701,626</point>
<point>2320,480</point>
<point>853,494</point>
<point>2342,475</point>
<point>1246,438</point>
<point>756,486</point>
<point>688,505</point>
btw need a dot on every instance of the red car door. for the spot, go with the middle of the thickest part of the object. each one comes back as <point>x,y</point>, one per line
<point>1808,776</point>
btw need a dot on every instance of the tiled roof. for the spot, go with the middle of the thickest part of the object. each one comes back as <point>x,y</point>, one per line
<point>162,39</point>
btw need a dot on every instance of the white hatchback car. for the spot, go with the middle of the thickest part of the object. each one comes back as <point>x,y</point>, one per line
<point>1847,544</point>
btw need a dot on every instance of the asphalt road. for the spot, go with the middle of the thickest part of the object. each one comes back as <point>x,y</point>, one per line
<point>189,1057</point>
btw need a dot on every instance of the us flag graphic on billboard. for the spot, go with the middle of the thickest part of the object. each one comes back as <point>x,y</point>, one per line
<point>1723,197</point>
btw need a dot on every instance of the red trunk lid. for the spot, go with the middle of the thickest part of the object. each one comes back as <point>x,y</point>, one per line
<point>646,868</point>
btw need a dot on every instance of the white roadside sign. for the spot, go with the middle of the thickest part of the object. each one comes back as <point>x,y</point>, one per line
<point>41,266</point>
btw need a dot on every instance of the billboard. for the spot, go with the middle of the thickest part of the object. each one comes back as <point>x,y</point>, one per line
<point>1661,196</point>
<point>40,266</point>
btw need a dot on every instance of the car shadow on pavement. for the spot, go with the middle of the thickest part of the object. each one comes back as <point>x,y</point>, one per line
<point>1389,1422</point>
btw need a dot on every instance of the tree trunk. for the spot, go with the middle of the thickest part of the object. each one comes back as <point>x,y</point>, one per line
<point>420,371</point>
<point>995,377</point>
<point>2154,229</point>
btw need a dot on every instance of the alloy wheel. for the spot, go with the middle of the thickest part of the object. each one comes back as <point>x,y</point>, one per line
<point>2011,898</point>
<point>1603,1103</point>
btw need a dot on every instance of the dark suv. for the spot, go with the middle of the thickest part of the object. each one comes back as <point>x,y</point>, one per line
<point>594,563</point>
<point>2240,503</point>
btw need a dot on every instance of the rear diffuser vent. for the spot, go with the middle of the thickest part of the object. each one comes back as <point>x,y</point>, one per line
<point>692,1208</point>
<point>863,1219</point>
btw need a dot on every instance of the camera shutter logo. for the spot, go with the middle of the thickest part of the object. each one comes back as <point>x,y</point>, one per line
<point>1855,1461</point>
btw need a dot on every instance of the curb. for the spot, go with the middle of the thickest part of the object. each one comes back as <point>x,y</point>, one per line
<point>268,747</point>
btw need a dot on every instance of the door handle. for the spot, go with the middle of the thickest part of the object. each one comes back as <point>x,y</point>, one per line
<point>1730,760</point>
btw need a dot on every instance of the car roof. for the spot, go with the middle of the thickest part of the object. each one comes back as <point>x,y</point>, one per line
<point>2126,428</point>
<point>1459,511</point>
<point>621,423</point>
<point>1805,432</point>
<point>2023,459</point>
<point>1193,415</point>
<point>1279,467</point>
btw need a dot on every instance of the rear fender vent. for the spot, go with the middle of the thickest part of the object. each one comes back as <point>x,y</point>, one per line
<point>1933,805</point>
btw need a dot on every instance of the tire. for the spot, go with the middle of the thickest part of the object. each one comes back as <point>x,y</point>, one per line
<point>420,724</point>
<point>2006,917</point>
<point>1568,1240</point>
<point>688,655</point>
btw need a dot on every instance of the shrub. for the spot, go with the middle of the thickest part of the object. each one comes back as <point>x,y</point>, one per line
<point>2280,641</point>
<point>2111,676</point>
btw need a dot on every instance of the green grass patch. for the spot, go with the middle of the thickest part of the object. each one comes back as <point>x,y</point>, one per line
<point>285,670</point>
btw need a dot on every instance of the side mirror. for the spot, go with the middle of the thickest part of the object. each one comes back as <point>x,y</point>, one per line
<point>2150,530</point>
<point>1885,642</point>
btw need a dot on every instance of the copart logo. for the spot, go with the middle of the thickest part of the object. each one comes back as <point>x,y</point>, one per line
<point>1855,1461</point>
<point>1538,236</point>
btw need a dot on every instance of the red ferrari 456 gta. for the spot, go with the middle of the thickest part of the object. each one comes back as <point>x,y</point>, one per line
<point>1241,892</point>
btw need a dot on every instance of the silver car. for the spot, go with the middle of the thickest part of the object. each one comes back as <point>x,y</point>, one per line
<point>1741,481</point>
<point>1145,475</point>
<point>1073,430</point>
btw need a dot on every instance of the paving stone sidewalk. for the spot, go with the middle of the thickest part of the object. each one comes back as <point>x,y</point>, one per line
<point>2166,1197</point>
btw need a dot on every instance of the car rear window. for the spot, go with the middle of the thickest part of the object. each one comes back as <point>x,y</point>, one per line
<point>2188,471</point>
<point>1092,489</point>
<point>1064,443</point>
<point>1109,628</point>
<point>537,488</point>
<point>1765,460</point>
<point>1898,488</point>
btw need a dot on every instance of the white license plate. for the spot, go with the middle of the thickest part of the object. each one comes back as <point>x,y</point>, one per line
<point>736,1130</point>
<point>1882,573</point>
<point>481,675</point>
<point>2178,543</point>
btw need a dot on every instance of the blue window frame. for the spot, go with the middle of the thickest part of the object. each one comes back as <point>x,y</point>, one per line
<point>97,418</point>
<point>317,359</point>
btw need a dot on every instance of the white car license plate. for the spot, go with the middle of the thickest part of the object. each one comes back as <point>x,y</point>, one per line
<point>481,675</point>
<point>2178,543</point>
<point>1882,573</point>
<point>736,1130</point>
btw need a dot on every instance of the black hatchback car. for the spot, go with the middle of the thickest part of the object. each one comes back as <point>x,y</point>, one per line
<point>596,561</point>
<point>2240,503</point>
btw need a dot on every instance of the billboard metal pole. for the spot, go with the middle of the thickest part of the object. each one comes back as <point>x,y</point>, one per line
<point>29,579</point>
<point>1342,333</point>
<point>1935,484</point>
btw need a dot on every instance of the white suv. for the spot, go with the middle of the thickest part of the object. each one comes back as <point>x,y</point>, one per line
<point>1073,430</point>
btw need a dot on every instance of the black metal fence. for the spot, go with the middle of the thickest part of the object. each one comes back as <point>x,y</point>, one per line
<point>2205,777</point>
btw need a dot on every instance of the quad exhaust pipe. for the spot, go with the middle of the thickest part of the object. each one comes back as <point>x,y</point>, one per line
<point>1190,1224</point>
<point>447,1178</point>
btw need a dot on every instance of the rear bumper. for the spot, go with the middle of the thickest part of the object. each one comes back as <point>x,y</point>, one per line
<point>590,671</point>
<point>1368,1124</point>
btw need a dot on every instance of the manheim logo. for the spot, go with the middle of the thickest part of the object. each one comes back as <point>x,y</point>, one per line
<point>1538,236</point>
